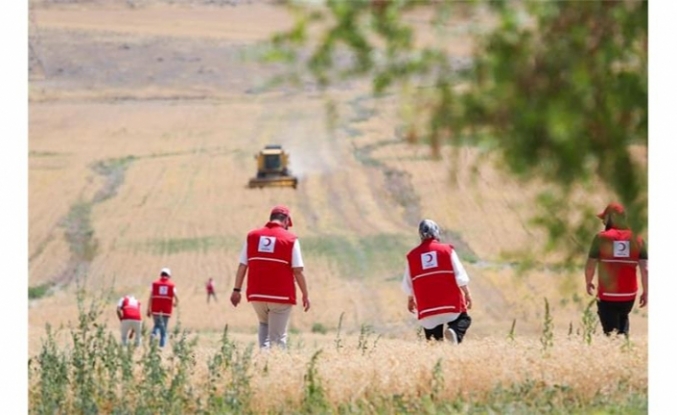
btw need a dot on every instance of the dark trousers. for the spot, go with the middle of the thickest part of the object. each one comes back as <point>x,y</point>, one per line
<point>615,315</point>
<point>460,326</point>
<point>211,294</point>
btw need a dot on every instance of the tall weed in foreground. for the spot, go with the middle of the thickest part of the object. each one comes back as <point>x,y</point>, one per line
<point>53,383</point>
<point>180,393</point>
<point>89,356</point>
<point>511,333</point>
<point>547,333</point>
<point>229,378</point>
<point>437,383</point>
<point>164,382</point>
<point>492,375</point>
<point>314,398</point>
<point>363,340</point>
<point>94,373</point>
<point>589,321</point>
<point>338,342</point>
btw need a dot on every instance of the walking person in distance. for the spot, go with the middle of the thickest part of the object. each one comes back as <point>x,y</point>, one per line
<point>211,292</point>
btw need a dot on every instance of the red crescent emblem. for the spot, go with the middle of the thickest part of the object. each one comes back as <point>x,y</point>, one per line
<point>428,258</point>
<point>267,241</point>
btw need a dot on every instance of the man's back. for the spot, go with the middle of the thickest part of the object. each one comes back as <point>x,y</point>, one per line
<point>162,296</point>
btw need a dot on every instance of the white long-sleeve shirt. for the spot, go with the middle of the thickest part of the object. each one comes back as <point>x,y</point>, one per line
<point>462,279</point>
<point>296,258</point>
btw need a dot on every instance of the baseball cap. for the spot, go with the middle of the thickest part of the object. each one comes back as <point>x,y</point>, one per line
<point>613,207</point>
<point>166,271</point>
<point>283,210</point>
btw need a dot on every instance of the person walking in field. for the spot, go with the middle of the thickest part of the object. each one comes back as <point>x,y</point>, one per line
<point>129,314</point>
<point>210,290</point>
<point>161,301</point>
<point>437,287</point>
<point>272,262</point>
<point>615,254</point>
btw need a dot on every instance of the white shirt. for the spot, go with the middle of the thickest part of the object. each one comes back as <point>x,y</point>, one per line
<point>296,258</point>
<point>462,279</point>
<point>132,301</point>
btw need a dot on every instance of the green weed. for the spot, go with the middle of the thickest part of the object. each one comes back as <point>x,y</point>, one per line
<point>314,398</point>
<point>39,291</point>
<point>589,321</point>
<point>318,328</point>
<point>511,333</point>
<point>547,333</point>
<point>94,373</point>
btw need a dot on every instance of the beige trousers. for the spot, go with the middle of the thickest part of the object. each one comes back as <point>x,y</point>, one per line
<point>273,321</point>
<point>126,326</point>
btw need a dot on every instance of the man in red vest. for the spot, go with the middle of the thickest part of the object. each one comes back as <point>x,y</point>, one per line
<point>129,314</point>
<point>437,286</point>
<point>271,260</point>
<point>161,301</point>
<point>615,254</point>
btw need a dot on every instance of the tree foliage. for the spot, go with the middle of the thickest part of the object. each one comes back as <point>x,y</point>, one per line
<point>557,89</point>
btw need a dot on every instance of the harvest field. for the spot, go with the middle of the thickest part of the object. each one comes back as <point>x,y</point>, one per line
<point>144,117</point>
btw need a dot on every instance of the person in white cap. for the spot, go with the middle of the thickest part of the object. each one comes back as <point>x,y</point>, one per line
<point>437,287</point>
<point>271,260</point>
<point>161,302</point>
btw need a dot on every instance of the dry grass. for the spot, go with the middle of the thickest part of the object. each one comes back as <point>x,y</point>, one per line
<point>394,367</point>
<point>358,369</point>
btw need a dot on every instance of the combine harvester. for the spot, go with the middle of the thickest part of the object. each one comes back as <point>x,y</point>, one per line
<point>272,169</point>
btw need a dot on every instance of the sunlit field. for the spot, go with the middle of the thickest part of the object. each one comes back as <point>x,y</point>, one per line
<point>143,125</point>
<point>211,372</point>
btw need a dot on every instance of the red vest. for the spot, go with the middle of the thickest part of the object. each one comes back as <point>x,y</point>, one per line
<point>210,287</point>
<point>617,266</point>
<point>433,279</point>
<point>131,309</point>
<point>162,297</point>
<point>269,255</point>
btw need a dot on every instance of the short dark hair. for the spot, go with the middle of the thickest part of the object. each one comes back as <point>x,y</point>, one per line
<point>278,216</point>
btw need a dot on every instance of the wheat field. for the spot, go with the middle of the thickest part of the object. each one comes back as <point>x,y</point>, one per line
<point>144,119</point>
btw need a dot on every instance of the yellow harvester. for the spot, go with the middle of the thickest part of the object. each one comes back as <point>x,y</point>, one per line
<point>272,168</point>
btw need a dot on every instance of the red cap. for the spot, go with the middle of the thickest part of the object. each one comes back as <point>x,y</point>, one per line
<point>283,210</point>
<point>612,207</point>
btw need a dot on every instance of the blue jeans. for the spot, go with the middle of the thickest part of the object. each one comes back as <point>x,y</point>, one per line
<point>160,323</point>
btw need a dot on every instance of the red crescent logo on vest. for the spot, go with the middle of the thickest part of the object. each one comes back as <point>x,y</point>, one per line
<point>623,247</point>
<point>266,241</point>
<point>428,258</point>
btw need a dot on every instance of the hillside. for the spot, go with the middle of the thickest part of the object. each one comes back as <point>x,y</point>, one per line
<point>143,121</point>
